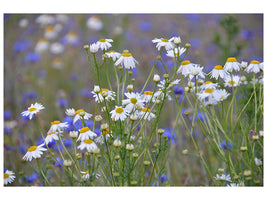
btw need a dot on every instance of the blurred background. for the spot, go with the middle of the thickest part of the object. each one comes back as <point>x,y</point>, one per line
<point>44,61</point>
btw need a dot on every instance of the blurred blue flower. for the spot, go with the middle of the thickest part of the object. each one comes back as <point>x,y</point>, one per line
<point>179,90</point>
<point>145,26</point>
<point>7,115</point>
<point>224,146</point>
<point>202,116</point>
<point>28,95</point>
<point>171,136</point>
<point>8,131</point>
<point>67,142</point>
<point>192,17</point>
<point>22,45</point>
<point>9,148</point>
<point>22,149</point>
<point>32,178</point>
<point>248,35</point>
<point>58,162</point>
<point>63,103</point>
<point>195,43</point>
<point>85,92</point>
<point>32,57</point>
<point>74,77</point>
<point>163,178</point>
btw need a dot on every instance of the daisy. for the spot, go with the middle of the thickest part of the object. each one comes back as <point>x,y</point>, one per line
<point>70,112</point>
<point>50,33</point>
<point>57,63</point>
<point>195,71</point>
<point>41,46</point>
<point>56,48</point>
<point>223,177</point>
<point>105,133</point>
<point>71,38</point>
<point>34,152</point>
<point>147,96</point>
<point>258,162</point>
<point>209,92</point>
<point>208,84</point>
<point>254,67</point>
<point>209,101</point>
<point>57,126</point>
<point>219,71</point>
<point>86,133</point>
<point>78,116</point>
<point>104,44</point>
<point>162,42</point>
<point>232,65</point>
<point>162,84</point>
<point>119,113</point>
<point>185,68</point>
<point>94,48</point>
<point>108,94</point>
<point>87,144</point>
<point>32,110</point>
<point>94,23</point>
<point>51,136</point>
<point>113,54</point>
<point>45,19</point>
<point>8,177</point>
<point>86,175</point>
<point>175,52</point>
<point>221,94</point>
<point>146,114</point>
<point>232,82</point>
<point>126,60</point>
<point>133,102</point>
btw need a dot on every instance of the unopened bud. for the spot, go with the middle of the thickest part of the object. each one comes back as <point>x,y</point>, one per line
<point>161,131</point>
<point>185,152</point>
<point>67,163</point>
<point>86,47</point>
<point>129,88</point>
<point>187,45</point>
<point>156,78</point>
<point>98,118</point>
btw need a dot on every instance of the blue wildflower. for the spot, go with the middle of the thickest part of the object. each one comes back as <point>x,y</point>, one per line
<point>171,136</point>
<point>248,35</point>
<point>22,45</point>
<point>8,131</point>
<point>201,116</point>
<point>32,57</point>
<point>163,178</point>
<point>32,178</point>
<point>145,26</point>
<point>7,115</point>
<point>63,103</point>
<point>67,142</point>
<point>224,146</point>
<point>58,162</point>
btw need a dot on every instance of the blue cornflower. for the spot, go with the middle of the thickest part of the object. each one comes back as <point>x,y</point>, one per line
<point>179,91</point>
<point>74,77</point>
<point>22,45</point>
<point>163,178</point>
<point>171,136</point>
<point>201,116</point>
<point>32,57</point>
<point>85,92</point>
<point>8,131</point>
<point>7,115</point>
<point>32,178</point>
<point>248,35</point>
<point>67,142</point>
<point>195,43</point>
<point>224,146</point>
<point>63,103</point>
<point>58,162</point>
<point>145,26</point>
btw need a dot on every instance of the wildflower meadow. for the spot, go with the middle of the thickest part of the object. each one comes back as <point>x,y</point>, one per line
<point>133,100</point>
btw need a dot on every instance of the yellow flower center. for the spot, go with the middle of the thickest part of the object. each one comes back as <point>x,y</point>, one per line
<point>102,40</point>
<point>55,122</point>
<point>126,54</point>
<point>231,59</point>
<point>88,141</point>
<point>164,40</point>
<point>71,33</point>
<point>231,82</point>
<point>254,62</point>
<point>119,110</point>
<point>32,148</point>
<point>50,28</point>
<point>84,129</point>
<point>207,82</point>
<point>42,40</point>
<point>104,90</point>
<point>218,67</point>
<point>78,111</point>
<point>209,90</point>
<point>112,51</point>
<point>146,110</point>
<point>51,133</point>
<point>87,172</point>
<point>185,62</point>
<point>6,175</point>
<point>148,93</point>
<point>57,60</point>
<point>105,132</point>
<point>133,100</point>
<point>32,109</point>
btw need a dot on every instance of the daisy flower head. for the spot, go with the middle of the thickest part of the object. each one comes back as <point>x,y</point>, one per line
<point>86,133</point>
<point>147,96</point>
<point>41,46</point>
<point>119,113</point>
<point>162,42</point>
<point>176,52</point>
<point>244,64</point>
<point>81,114</point>
<point>146,114</point>
<point>126,60</point>
<point>133,101</point>
<point>254,67</point>
<point>99,95</point>
<point>71,38</point>
<point>9,177</point>
<point>93,48</point>
<point>185,68</point>
<point>232,65</point>
<point>34,152</point>
<point>51,136</point>
<point>86,175</point>
<point>223,177</point>
<point>104,133</point>
<point>195,71</point>
<point>209,92</point>
<point>32,110</point>
<point>218,71</point>
<point>208,84</point>
<point>162,84</point>
<point>88,144</point>
<point>232,82</point>
<point>113,54</point>
<point>104,44</point>
<point>50,33</point>
<point>70,112</point>
<point>94,23</point>
<point>221,94</point>
<point>57,126</point>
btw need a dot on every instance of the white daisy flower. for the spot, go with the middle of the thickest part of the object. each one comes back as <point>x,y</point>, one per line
<point>9,177</point>
<point>223,177</point>
<point>244,64</point>
<point>232,82</point>
<point>119,113</point>
<point>88,144</point>
<point>221,94</point>
<point>104,44</point>
<point>162,84</point>
<point>105,133</point>
<point>233,185</point>
<point>23,23</point>
<point>175,52</point>
<point>86,175</point>
<point>258,162</point>
<point>209,101</point>
<point>133,102</point>
<point>113,54</point>
<point>71,37</point>
<point>57,63</point>
<point>196,70</point>
<point>50,33</point>
<point>94,23</point>
<point>32,110</point>
<point>232,65</point>
<point>57,126</point>
<point>208,84</point>
<point>126,60</point>
<point>218,71</point>
<point>41,46</point>
<point>45,19</point>
<point>254,67</point>
<point>56,48</point>
<point>34,152</point>
<point>86,133</point>
<point>177,40</point>
<point>162,42</point>
<point>108,94</point>
<point>51,136</point>
<point>185,68</point>
<point>93,48</point>
<point>78,116</point>
<point>146,113</point>
<point>209,92</point>
<point>261,66</point>
<point>147,96</point>
<point>70,112</point>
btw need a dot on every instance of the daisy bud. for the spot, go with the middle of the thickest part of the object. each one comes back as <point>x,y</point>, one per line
<point>129,88</point>
<point>155,145</point>
<point>243,78</point>
<point>82,113</point>
<point>243,148</point>
<point>258,162</point>
<point>103,109</point>
<point>120,68</point>
<point>244,64</point>
<point>98,118</point>
<point>247,173</point>
<point>157,101</point>
<point>177,40</point>
<point>105,56</point>
<point>256,181</point>
<point>117,143</point>
<point>185,152</point>
<point>156,78</point>
<point>255,137</point>
<point>165,76</point>
<point>103,127</point>
<point>86,47</point>
<point>95,151</point>
<point>96,89</point>
<point>93,48</point>
<point>133,80</point>
<point>133,182</point>
<point>200,82</point>
<point>133,117</point>
<point>186,89</point>
<point>186,112</point>
<point>236,177</point>
<point>135,155</point>
<point>73,134</point>
<point>158,57</point>
<point>70,112</point>
<point>78,156</point>
<point>67,163</point>
<point>117,157</point>
<point>129,147</point>
<point>161,131</point>
<point>220,170</point>
<point>104,93</point>
<point>146,163</point>
<point>187,45</point>
<point>116,174</point>
<point>248,178</point>
<point>261,133</point>
<point>130,72</point>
